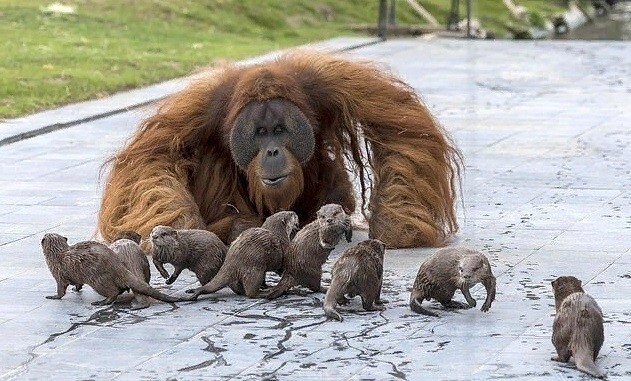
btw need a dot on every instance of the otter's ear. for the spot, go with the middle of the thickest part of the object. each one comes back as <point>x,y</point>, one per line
<point>65,239</point>
<point>552,283</point>
<point>580,282</point>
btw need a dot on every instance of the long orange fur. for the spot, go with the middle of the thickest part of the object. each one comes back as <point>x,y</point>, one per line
<point>177,169</point>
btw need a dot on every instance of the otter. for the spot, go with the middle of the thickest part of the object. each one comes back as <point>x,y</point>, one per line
<point>358,271</point>
<point>128,234</point>
<point>448,270</point>
<point>200,251</point>
<point>578,325</point>
<point>96,265</point>
<point>310,248</point>
<point>126,246</point>
<point>252,254</point>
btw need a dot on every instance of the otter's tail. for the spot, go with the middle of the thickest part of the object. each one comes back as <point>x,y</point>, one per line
<point>285,283</point>
<point>416,298</point>
<point>221,280</point>
<point>335,292</point>
<point>585,363</point>
<point>140,287</point>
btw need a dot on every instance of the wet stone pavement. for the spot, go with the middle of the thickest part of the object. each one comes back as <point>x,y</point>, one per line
<point>545,132</point>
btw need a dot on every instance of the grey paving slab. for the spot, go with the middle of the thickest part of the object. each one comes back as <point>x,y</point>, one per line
<point>544,129</point>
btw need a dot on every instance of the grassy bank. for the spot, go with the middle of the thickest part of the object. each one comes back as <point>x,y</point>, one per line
<point>48,59</point>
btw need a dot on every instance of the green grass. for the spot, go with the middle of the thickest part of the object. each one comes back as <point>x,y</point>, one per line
<point>47,60</point>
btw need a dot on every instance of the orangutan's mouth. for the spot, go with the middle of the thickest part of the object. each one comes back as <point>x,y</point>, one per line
<point>274,180</point>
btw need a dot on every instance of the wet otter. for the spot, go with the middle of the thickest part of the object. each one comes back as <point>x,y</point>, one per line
<point>578,325</point>
<point>358,271</point>
<point>310,248</point>
<point>126,246</point>
<point>448,270</point>
<point>96,265</point>
<point>252,254</point>
<point>200,251</point>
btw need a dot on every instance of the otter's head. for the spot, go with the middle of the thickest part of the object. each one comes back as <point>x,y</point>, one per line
<point>128,234</point>
<point>286,221</point>
<point>332,223</point>
<point>53,243</point>
<point>473,268</point>
<point>164,242</point>
<point>564,286</point>
<point>377,248</point>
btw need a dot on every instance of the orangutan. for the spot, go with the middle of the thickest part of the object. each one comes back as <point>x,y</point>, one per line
<point>244,142</point>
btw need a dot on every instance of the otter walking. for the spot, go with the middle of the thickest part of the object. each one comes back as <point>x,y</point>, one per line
<point>578,325</point>
<point>252,254</point>
<point>448,270</point>
<point>310,248</point>
<point>200,251</point>
<point>358,271</point>
<point>96,265</point>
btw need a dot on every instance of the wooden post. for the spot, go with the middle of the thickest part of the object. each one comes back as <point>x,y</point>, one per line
<point>423,12</point>
<point>392,20</point>
<point>468,18</point>
<point>382,27</point>
<point>454,14</point>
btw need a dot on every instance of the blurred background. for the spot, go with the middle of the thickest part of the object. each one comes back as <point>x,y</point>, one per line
<point>54,53</point>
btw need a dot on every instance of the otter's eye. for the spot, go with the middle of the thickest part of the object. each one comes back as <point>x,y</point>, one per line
<point>460,268</point>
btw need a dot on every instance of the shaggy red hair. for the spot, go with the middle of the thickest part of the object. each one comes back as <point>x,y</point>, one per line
<point>177,169</point>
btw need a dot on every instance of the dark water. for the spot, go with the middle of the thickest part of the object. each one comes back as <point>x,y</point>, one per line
<point>613,26</point>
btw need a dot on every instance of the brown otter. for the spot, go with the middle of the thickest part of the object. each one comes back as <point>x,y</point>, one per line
<point>358,271</point>
<point>200,251</point>
<point>310,248</point>
<point>578,325</point>
<point>96,265</point>
<point>126,246</point>
<point>252,254</point>
<point>128,234</point>
<point>448,270</point>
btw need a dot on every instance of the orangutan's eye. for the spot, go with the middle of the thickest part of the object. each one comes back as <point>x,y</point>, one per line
<point>261,131</point>
<point>279,129</point>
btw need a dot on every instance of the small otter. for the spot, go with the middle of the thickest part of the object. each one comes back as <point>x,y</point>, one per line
<point>311,248</point>
<point>128,234</point>
<point>578,325</point>
<point>252,254</point>
<point>358,271</point>
<point>126,246</point>
<point>200,251</point>
<point>448,270</point>
<point>96,265</point>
